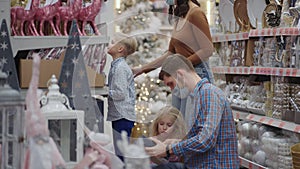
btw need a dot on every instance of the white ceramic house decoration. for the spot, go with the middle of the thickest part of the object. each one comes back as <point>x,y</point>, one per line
<point>12,126</point>
<point>66,126</point>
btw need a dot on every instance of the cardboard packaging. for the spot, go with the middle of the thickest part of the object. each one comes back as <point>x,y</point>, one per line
<point>50,67</point>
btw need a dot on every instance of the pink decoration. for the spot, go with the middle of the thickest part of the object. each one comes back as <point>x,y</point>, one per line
<point>101,56</point>
<point>95,158</point>
<point>19,13</point>
<point>69,13</point>
<point>42,151</point>
<point>47,13</point>
<point>88,15</point>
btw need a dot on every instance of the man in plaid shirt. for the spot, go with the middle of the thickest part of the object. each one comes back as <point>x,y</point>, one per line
<point>211,142</point>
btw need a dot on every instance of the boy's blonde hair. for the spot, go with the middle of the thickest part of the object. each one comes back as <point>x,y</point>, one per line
<point>129,42</point>
<point>179,127</point>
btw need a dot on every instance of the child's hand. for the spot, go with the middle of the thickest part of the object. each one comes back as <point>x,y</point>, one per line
<point>159,150</point>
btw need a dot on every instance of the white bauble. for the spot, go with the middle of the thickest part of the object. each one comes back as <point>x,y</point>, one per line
<point>260,157</point>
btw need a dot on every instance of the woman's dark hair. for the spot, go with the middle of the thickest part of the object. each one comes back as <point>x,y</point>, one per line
<point>181,9</point>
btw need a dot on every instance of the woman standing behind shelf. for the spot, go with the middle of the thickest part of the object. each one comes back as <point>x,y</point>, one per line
<point>191,38</point>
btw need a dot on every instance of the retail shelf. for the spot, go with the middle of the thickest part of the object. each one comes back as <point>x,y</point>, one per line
<point>166,28</point>
<point>275,122</point>
<point>39,42</point>
<point>95,92</point>
<point>230,37</point>
<point>237,114</point>
<point>273,32</point>
<point>249,164</point>
<point>274,71</point>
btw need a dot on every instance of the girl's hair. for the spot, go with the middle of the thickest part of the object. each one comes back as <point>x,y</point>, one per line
<point>179,128</point>
<point>181,9</point>
<point>129,42</point>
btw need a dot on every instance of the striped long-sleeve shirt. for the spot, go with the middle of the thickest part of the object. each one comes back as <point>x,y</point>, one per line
<point>211,142</point>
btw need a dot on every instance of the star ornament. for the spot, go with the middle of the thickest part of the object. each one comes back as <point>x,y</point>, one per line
<point>4,46</point>
<point>67,73</point>
<point>75,34</point>
<point>75,61</point>
<point>3,34</point>
<point>74,46</point>
<point>3,61</point>
<point>64,85</point>
<point>78,85</point>
<point>81,73</point>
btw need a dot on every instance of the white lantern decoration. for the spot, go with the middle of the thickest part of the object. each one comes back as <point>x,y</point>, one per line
<point>12,127</point>
<point>66,126</point>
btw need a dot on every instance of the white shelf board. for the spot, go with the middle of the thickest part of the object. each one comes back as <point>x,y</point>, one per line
<point>39,42</point>
<point>273,71</point>
<point>238,114</point>
<point>250,164</point>
<point>290,126</point>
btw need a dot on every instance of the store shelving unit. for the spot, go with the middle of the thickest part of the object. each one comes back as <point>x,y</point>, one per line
<point>249,164</point>
<point>230,37</point>
<point>274,32</point>
<point>290,126</point>
<point>39,42</point>
<point>272,71</point>
<point>256,70</point>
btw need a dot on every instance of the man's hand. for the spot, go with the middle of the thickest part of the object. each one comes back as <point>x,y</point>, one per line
<point>159,150</point>
<point>137,71</point>
<point>171,141</point>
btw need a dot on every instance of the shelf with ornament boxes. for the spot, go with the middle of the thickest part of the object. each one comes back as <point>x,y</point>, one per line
<point>30,28</point>
<point>56,122</point>
<point>256,63</point>
<point>43,27</point>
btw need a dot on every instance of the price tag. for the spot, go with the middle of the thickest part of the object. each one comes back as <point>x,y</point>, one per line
<point>251,117</point>
<point>270,122</point>
<point>262,119</point>
<point>294,72</point>
<point>262,32</point>
<point>246,70</point>
<point>281,124</point>
<point>286,31</point>
<point>297,129</point>
<point>250,165</point>
<point>237,115</point>
<point>268,71</point>
<point>288,72</point>
<point>274,71</point>
<point>269,32</point>
<point>234,70</point>
<point>241,70</point>
<point>237,36</point>
<point>251,70</point>
<point>280,72</point>
<point>280,31</point>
